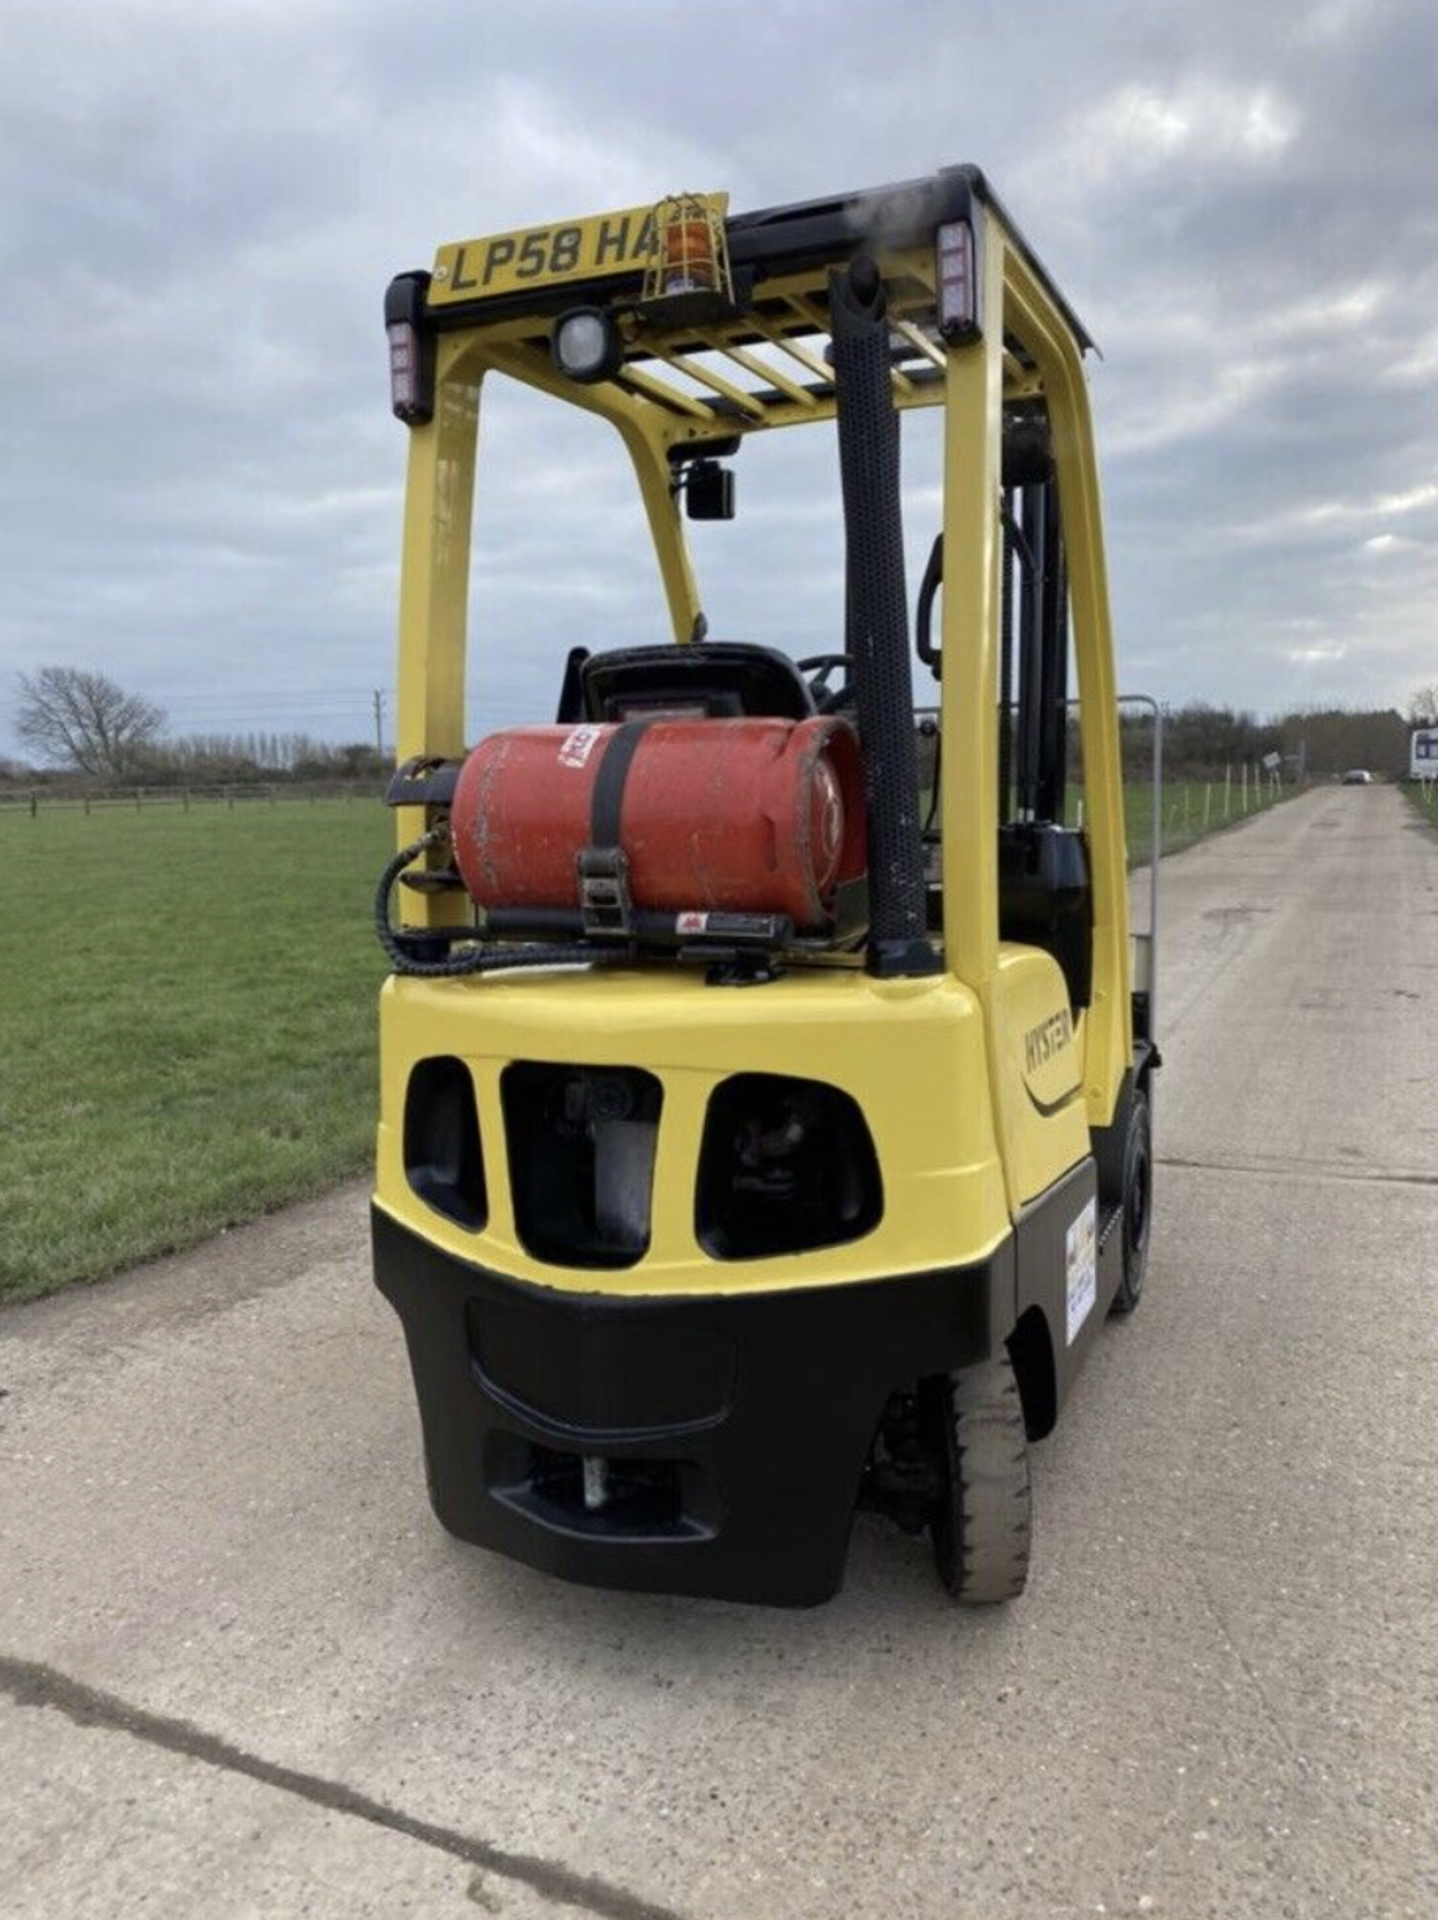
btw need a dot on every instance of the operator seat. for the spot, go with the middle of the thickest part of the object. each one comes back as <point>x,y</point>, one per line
<point>719,679</point>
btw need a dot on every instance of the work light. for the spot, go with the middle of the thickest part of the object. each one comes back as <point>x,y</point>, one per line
<point>586,345</point>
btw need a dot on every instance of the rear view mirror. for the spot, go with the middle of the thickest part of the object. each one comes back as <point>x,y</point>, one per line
<point>709,491</point>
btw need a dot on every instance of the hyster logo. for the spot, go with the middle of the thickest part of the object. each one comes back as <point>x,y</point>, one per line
<point>1042,1042</point>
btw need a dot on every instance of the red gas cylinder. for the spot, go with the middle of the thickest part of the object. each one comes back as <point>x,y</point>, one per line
<point>738,816</point>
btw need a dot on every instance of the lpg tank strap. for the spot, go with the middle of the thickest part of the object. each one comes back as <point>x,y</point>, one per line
<point>602,868</point>
<point>607,800</point>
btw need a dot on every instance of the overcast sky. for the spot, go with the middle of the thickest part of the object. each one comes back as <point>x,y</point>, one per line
<point>200,207</point>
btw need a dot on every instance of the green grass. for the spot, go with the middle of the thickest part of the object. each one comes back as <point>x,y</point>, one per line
<point>1191,809</point>
<point>187,1024</point>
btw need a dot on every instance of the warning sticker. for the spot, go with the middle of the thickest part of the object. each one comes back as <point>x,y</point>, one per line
<point>1081,1266</point>
<point>691,922</point>
<point>576,746</point>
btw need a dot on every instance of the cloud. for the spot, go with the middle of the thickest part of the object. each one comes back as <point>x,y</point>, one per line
<point>1142,126</point>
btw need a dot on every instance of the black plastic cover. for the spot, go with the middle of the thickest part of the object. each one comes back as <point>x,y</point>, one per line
<point>1046,898</point>
<point>756,1409</point>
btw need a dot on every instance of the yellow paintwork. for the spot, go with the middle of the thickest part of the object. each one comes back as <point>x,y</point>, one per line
<point>910,1051</point>
<point>1038,1071</point>
<point>968,1127</point>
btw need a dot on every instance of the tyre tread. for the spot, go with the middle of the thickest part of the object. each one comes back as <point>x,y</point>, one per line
<point>981,1543</point>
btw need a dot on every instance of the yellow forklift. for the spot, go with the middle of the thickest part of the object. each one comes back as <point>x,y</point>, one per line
<point>766,1063</point>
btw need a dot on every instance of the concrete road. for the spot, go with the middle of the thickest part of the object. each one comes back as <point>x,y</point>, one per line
<point>242,1672</point>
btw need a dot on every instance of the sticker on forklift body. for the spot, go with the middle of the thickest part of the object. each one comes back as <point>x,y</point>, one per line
<point>1081,1267</point>
<point>576,747</point>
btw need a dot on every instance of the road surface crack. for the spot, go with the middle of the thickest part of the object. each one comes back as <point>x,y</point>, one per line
<point>1246,1667</point>
<point>1314,1169</point>
<point>30,1683</point>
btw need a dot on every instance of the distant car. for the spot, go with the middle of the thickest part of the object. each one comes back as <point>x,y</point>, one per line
<point>1358,777</point>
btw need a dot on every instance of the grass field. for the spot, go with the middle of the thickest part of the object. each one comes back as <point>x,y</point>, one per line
<point>186,1024</point>
<point>187,1020</point>
<point>1191,808</point>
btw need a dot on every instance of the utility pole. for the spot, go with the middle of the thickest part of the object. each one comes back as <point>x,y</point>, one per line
<point>379,721</point>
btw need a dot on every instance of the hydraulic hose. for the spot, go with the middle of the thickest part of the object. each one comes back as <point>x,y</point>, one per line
<point>477,958</point>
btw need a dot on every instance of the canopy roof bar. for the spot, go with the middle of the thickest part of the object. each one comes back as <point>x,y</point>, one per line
<point>919,340</point>
<point>638,381</point>
<point>727,407</point>
<point>796,349</point>
<point>762,370</point>
<point>736,396</point>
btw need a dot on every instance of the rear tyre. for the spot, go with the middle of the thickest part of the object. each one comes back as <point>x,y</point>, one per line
<point>1137,1205</point>
<point>980,1527</point>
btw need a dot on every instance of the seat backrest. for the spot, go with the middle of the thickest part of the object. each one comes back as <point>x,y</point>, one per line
<point>714,678</point>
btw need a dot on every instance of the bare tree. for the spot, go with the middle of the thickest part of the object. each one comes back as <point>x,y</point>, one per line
<point>1423,705</point>
<point>85,721</point>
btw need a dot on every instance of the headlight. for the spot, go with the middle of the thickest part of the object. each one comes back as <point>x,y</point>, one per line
<point>586,345</point>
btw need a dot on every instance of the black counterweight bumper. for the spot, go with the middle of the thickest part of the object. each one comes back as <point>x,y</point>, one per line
<point>701,1445</point>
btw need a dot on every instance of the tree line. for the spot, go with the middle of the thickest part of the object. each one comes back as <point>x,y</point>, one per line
<point>81,723</point>
<point>1201,740</point>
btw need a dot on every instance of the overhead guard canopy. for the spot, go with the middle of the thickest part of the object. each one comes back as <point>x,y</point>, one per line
<point>766,363</point>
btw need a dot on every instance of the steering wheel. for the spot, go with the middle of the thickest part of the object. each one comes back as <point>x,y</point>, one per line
<point>823,666</point>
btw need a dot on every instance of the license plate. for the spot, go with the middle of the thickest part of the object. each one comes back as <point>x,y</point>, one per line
<point>607,243</point>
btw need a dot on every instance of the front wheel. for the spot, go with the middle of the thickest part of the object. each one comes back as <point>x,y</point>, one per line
<point>980,1525</point>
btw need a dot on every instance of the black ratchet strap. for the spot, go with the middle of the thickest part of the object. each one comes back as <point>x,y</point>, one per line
<point>602,868</point>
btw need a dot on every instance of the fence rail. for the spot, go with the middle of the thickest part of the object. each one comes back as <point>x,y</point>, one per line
<point>35,800</point>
